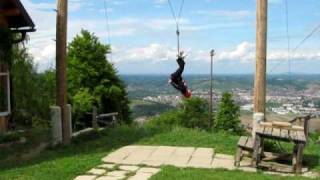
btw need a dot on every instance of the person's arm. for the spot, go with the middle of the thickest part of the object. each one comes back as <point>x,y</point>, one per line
<point>175,85</point>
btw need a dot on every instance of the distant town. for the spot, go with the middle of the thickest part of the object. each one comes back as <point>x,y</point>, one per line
<point>283,96</point>
<point>280,102</point>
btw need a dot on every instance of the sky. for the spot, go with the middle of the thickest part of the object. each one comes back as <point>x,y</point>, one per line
<point>143,39</point>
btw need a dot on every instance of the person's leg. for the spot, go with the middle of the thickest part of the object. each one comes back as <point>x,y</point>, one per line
<point>178,73</point>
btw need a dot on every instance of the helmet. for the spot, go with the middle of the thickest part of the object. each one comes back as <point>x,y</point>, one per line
<point>188,94</point>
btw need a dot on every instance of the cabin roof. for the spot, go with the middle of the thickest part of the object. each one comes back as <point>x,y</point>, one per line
<point>16,15</point>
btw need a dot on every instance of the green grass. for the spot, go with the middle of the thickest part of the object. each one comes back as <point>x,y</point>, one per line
<point>222,142</point>
<point>86,151</point>
<point>168,173</point>
<point>34,137</point>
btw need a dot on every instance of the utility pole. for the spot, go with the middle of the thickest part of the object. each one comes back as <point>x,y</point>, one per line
<point>61,67</point>
<point>211,89</point>
<point>261,55</point>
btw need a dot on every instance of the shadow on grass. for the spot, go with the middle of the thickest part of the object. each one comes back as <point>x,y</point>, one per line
<point>91,143</point>
<point>311,161</point>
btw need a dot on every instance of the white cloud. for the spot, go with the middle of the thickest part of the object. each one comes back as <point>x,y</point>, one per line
<point>226,13</point>
<point>153,53</point>
<point>160,1</point>
<point>244,52</point>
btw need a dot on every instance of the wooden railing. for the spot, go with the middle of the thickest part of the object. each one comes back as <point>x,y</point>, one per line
<point>103,118</point>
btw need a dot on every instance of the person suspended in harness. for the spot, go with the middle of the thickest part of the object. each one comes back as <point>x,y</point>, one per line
<point>176,79</point>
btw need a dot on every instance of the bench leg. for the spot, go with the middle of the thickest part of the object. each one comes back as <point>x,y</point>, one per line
<point>297,158</point>
<point>256,151</point>
<point>238,157</point>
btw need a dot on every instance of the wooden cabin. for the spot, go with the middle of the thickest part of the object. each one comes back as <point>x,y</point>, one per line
<point>15,17</point>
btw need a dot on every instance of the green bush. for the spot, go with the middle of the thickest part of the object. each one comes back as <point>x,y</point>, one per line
<point>9,138</point>
<point>32,92</point>
<point>195,113</point>
<point>170,118</point>
<point>228,115</point>
<point>192,113</point>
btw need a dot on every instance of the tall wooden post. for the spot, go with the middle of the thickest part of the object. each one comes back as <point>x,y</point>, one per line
<point>61,67</point>
<point>261,54</point>
<point>211,89</point>
<point>4,83</point>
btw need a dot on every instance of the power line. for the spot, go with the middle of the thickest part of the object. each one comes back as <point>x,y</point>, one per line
<point>288,39</point>
<point>316,29</point>
<point>108,39</point>
<point>306,38</point>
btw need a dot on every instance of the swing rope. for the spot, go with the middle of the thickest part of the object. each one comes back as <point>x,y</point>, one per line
<point>177,18</point>
<point>315,30</point>
<point>108,28</point>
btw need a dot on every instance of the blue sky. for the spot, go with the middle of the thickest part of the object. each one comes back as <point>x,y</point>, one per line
<point>144,42</point>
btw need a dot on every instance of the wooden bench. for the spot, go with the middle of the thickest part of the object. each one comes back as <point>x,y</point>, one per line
<point>295,132</point>
<point>245,143</point>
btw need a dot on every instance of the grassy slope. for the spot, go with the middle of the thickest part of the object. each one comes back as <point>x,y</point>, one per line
<point>172,173</point>
<point>87,151</point>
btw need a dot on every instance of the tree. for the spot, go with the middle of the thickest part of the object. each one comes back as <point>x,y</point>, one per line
<point>228,115</point>
<point>28,86</point>
<point>195,113</point>
<point>192,113</point>
<point>92,80</point>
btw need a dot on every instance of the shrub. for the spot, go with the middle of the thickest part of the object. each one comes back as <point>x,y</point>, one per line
<point>228,115</point>
<point>9,138</point>
<point>192,113</point>
<point>195,113</point>
<point>170,118</point>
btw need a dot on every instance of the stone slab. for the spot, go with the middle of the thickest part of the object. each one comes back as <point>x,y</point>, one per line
<point>161,155</point>
<point>141,176</point>
<point>118,173</point>
<point>129,168</point>
<point>139,155</point>
<point>223,156</point>
<point>180,157</point>
<point>85,177</point>
<point>148,170</point>
<point>98,172</point>
<point>203,152</point>
<point>119,155</point>
<point>223,163</point>
<point>201,158</point>
<point>108,178</point>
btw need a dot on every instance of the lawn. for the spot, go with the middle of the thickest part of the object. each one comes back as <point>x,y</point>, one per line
<point>172,173</point>
<point>87,150</point>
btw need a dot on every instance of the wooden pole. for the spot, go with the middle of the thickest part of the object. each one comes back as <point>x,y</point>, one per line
<point>61,67</point>
<point>211,89</point>
<point>4,83</point>
<point>261,54</point>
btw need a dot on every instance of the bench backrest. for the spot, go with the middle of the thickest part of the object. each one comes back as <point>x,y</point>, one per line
<point>303,121</point>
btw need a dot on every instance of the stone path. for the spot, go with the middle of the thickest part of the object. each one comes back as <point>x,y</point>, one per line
<point>156,156</point>
<point>118,172</point>
<point>142,162</point>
